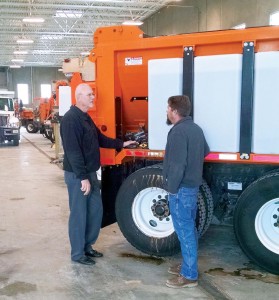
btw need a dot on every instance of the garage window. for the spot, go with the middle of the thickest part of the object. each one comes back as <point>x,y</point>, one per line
<point>45,90</point>
<point>22,92</point>
<point>274,18</point>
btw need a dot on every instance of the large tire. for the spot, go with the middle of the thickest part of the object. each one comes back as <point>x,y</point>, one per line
<point>256,222</point>
<point>16,141</point>
<point>49,134</point>
<point>31,127</point>
<point>143,215</point>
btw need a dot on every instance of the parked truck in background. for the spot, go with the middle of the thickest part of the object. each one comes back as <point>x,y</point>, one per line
<point>232,79</point>
<point>42,114</point>
<point>9,123</point>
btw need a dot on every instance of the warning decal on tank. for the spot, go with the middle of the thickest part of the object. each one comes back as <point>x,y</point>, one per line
<point>133,61</point>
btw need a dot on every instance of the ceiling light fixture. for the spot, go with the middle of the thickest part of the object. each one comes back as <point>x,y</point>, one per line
<point>85,53</point>
<point>25,41</point>
<point>59,51</point>
<point>20,52</point>
<point>15,66</point>
<point>33,20</point>
<point>30,18</point>
<point>17,60</point>
<point>41,51</point>
<point>132,22</point>
<point>49,51</point>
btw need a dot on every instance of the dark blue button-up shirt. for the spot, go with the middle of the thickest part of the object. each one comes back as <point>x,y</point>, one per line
<point>81,141</point>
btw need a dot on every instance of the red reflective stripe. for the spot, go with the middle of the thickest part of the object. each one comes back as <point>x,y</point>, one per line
<point>140,153</point>
<point>222,156</point>
<point>212,156</point>
<point>266,158</point>
<point>135,153</point>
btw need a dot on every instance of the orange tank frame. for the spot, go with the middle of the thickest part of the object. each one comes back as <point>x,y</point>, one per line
<point>115,112</point>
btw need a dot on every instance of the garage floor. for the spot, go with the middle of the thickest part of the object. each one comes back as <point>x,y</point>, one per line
<point>34,249</point>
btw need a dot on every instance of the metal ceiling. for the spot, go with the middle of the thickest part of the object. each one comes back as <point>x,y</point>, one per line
<point>68,28</point>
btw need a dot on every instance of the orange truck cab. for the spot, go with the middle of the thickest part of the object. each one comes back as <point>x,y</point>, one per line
<point>231,78</point>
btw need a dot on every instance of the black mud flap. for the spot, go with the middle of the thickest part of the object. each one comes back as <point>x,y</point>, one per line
<point>110,184</point>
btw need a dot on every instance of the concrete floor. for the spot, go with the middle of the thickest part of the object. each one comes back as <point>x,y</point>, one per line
<point>35,255</point>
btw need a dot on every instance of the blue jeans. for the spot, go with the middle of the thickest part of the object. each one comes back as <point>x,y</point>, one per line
<point>86,213</point>
<point>183,209</point>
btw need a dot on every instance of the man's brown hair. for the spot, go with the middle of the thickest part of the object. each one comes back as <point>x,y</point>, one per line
<point>181,104</point>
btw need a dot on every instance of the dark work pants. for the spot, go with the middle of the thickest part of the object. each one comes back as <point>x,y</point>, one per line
<point>86,214</point>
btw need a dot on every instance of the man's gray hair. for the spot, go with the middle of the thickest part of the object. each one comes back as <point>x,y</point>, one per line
<point>80,89</point>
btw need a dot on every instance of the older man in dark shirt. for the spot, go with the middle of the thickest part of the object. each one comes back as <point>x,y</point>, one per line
<point>81,141</point>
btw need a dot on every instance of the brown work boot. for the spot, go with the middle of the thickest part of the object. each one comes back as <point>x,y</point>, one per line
<point>181,282</point>
<point>175,270</point>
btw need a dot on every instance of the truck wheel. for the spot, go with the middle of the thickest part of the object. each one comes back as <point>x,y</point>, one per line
<point>49,134</point>
<point>31,127</point>
<point>16,142</point>
<point>143,215</point>
<point>256,222</point>
<point>205,197</point>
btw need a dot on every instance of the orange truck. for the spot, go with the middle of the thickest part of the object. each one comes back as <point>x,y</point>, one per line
<point>33,118</point>
<point>231,78</point>
<point>41,116</point>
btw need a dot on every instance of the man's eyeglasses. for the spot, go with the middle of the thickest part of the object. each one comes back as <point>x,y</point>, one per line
<point>90,95</point>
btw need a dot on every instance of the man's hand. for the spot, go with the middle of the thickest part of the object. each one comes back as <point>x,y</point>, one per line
<point>128,143</point>
<point>85,186</point>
